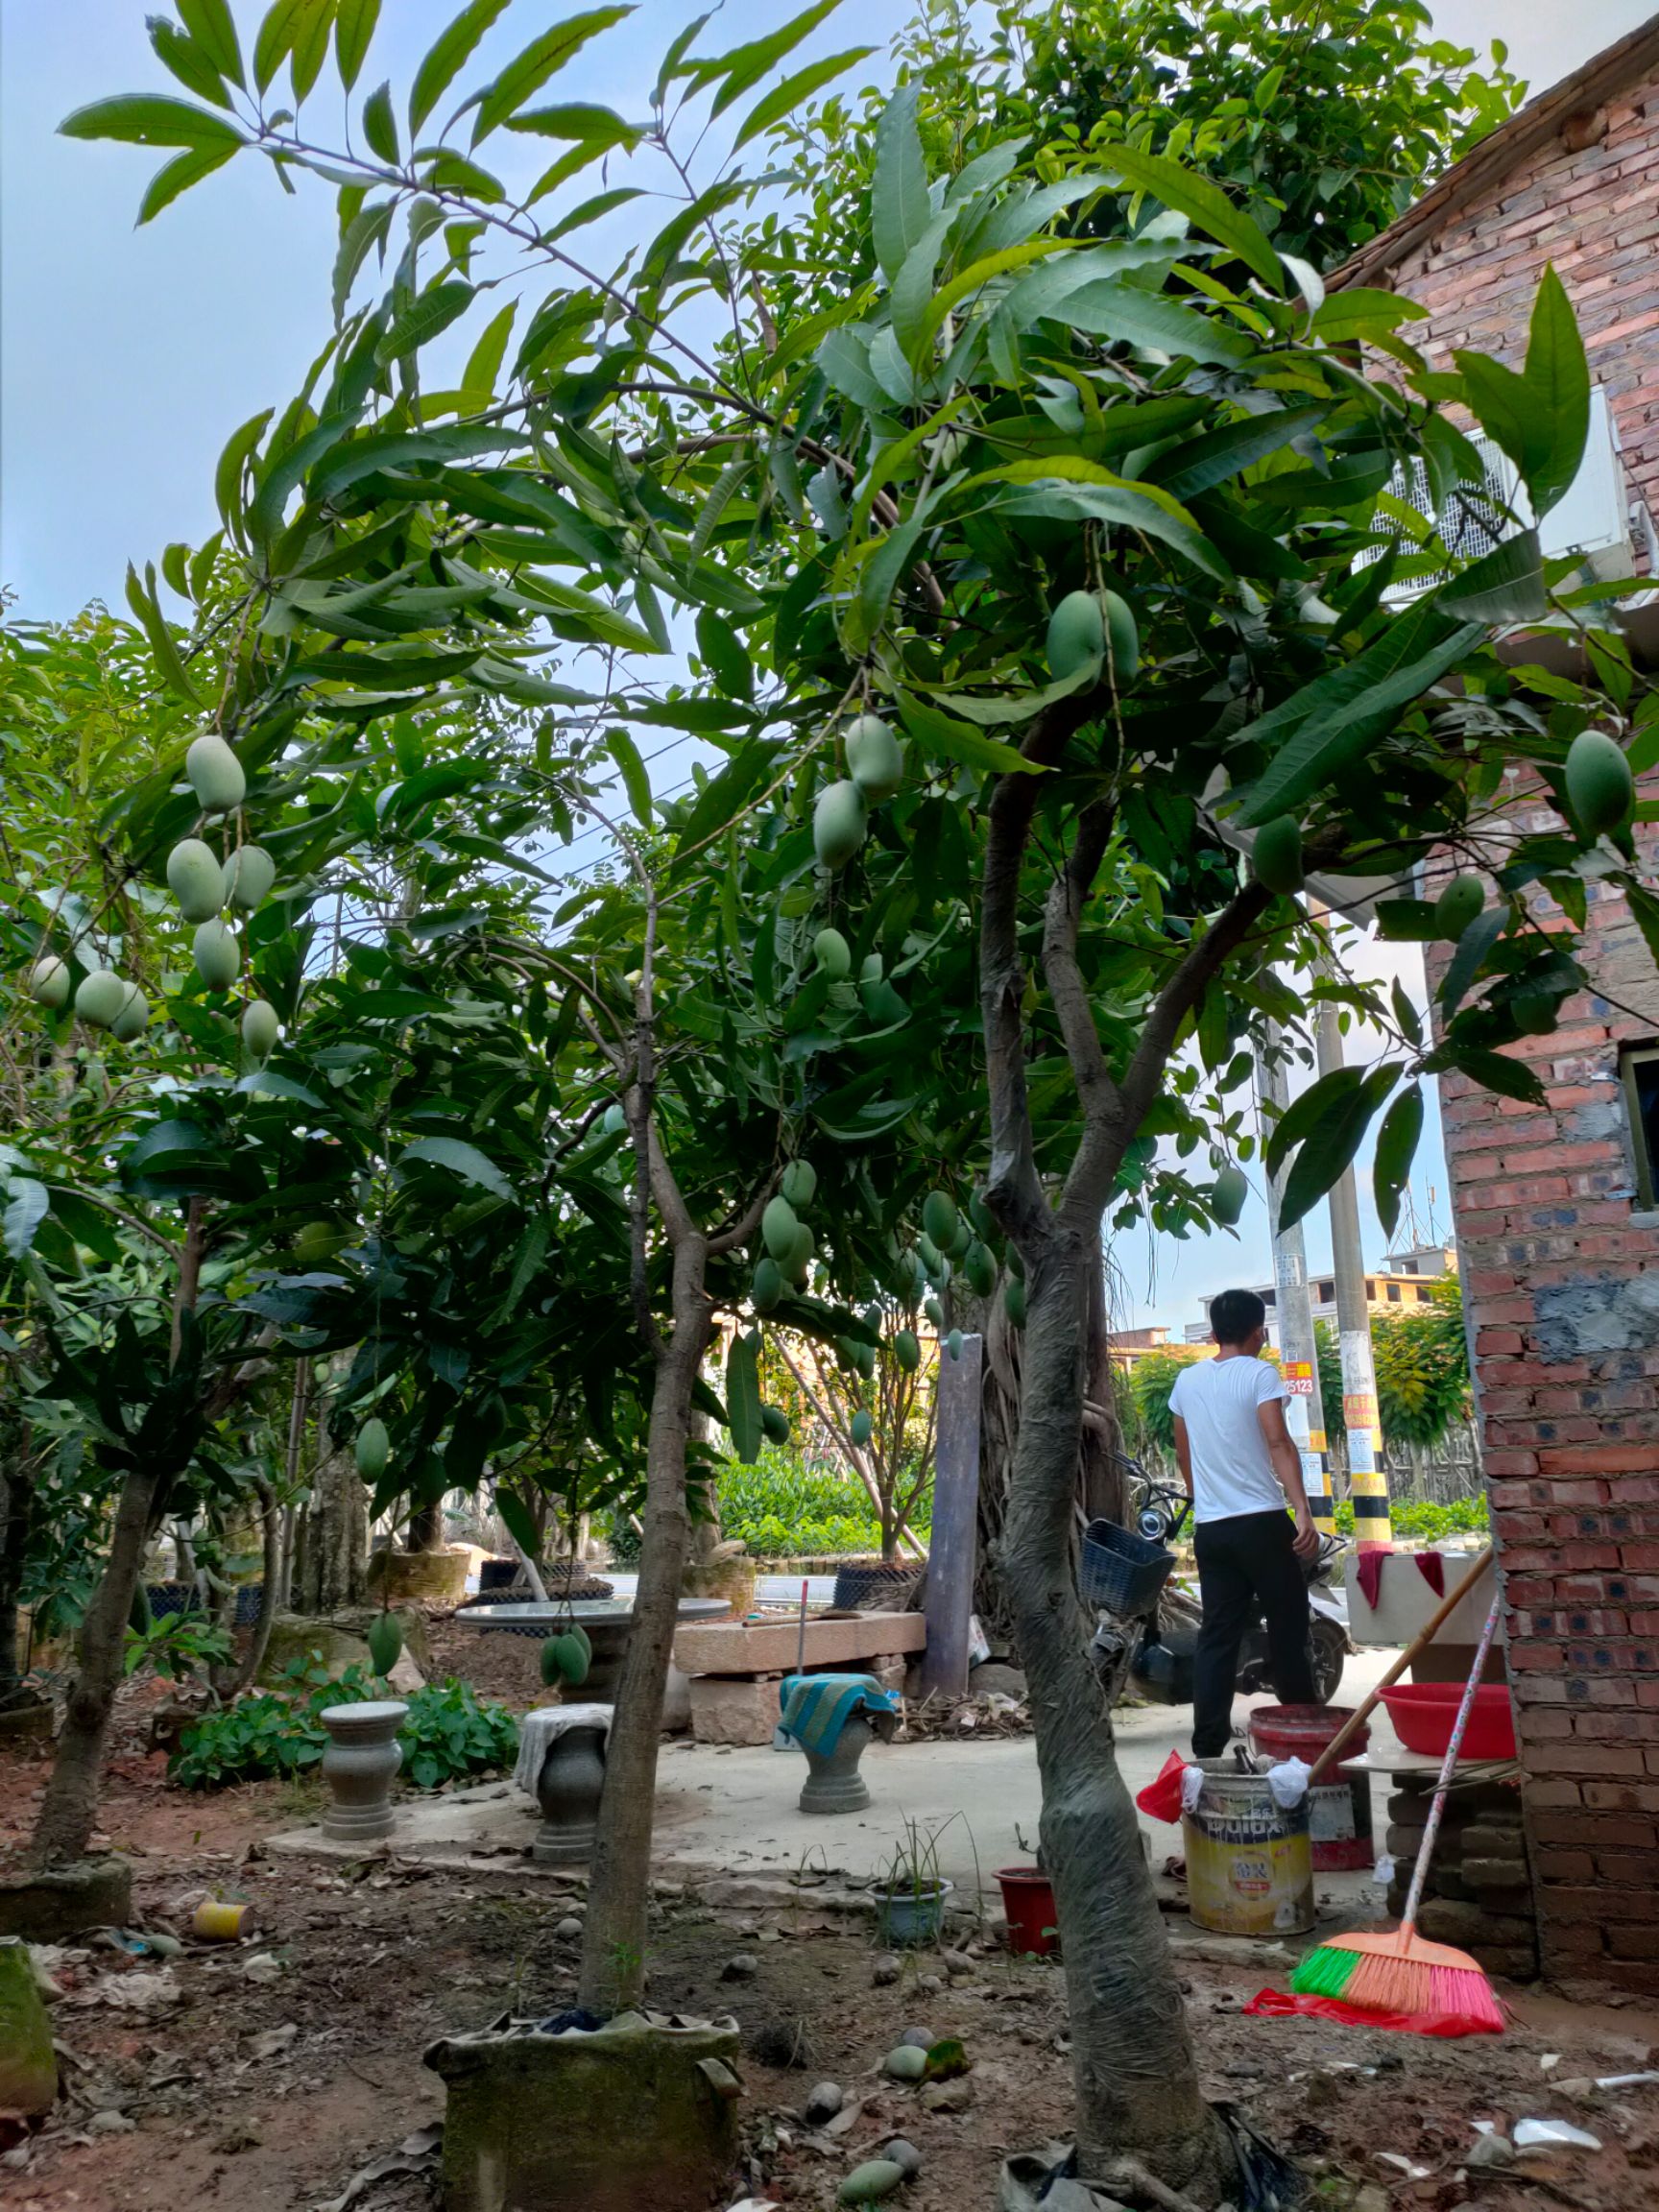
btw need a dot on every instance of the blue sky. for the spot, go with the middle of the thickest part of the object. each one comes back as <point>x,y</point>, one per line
<point>127,357</point>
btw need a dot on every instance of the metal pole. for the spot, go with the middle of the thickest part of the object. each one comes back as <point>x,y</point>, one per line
<point>1367,1477</point>
<point>1298,1353</point>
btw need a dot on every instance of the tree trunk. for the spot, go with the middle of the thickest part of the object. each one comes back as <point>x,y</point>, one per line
<point>1137,2081</point>
<point>333,1566</point>
<point>69,1812</point>
<point>268,1593</point>
<point>17,1520</point>
<point>614,1940</point>
<point>426,1528</point>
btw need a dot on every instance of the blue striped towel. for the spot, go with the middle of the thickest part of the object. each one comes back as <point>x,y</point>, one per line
<point>816,1707</point>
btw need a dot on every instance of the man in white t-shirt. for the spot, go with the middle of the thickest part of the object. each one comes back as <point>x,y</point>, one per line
<point>1241,1468</point>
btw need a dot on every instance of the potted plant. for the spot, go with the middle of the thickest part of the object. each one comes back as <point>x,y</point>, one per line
<point>1028,1901</point>
<point>910,1891</point>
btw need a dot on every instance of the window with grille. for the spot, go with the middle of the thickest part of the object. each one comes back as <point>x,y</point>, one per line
<point>1639,1065</point>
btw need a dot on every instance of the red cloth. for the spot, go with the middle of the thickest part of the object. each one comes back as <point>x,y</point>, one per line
<point>1370,1572</point>
<point>1161,1799</point>
<point>1432,1569</point>
<point>1280,2004</point>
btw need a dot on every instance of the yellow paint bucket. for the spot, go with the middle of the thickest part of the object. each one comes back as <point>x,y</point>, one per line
<point>217,1922</point>
<point>1249,1864</point>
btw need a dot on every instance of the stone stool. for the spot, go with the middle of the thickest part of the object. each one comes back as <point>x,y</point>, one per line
<point>834,1719</point>
<point>562,1765</point>
<point>362,1759</point>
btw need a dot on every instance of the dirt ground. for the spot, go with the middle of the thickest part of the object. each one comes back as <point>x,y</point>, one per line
<point>265,2074</point>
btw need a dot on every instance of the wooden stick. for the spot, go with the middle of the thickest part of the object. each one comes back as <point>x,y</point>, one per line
<point>1419,1644</point>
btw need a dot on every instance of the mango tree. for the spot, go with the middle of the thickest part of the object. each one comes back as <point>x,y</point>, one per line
<point>1105,539</point>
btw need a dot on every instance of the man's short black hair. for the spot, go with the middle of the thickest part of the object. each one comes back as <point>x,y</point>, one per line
<point>1234,1314</point>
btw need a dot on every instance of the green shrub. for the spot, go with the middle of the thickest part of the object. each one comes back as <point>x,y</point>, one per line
<point>783,1508</point>
<point>449,1732</point>
<point>1421,1519</point>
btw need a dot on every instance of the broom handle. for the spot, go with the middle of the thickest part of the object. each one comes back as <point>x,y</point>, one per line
<point>1455,1744</point>
<point>1419,1644</point>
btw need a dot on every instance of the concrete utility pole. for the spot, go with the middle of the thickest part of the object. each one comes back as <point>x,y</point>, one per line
<point>1298,1353</point>
<point>1367,1475</point>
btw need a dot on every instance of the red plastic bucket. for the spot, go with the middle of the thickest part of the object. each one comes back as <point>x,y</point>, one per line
<point>1028,1900</point>
<point>1338,1807</point>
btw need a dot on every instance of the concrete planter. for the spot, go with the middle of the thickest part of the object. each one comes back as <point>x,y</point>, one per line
<point>635,2114</point>
<point>359,1767</point>
<point>434,1578</point>
<point>29,1722</point>
<point>834,1783</point>
<point>62,1901</point>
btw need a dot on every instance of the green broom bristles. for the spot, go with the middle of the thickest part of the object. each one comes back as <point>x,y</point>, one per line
<point>1402,1975</point>
<point>1325,1972</point>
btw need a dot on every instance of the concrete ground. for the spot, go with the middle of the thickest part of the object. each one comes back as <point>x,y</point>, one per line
<point>736,1809</point>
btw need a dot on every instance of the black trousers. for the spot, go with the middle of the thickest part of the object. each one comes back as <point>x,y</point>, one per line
<point>1247,1569</point>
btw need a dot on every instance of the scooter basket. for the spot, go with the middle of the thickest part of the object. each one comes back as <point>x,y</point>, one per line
<point>1120,1570</point>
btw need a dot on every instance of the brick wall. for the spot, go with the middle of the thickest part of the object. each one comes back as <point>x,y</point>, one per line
<point>1561,1275</point>
<point>1595,214</point>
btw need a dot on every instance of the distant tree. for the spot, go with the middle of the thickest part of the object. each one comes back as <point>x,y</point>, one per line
<point>1150,1383</point>
<point>1422,1362</point>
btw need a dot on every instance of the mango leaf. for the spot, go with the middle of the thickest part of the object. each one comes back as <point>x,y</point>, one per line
<point>26,1209</point>
<point>267,1083</point>
<point>578,120</point>
<point>446,56</point>
<point>213,27</point>
<point>527,72</point>
<point>518,1521</point>
<point>1197,465</point>
<point>743,1395</point>
<point>1492,1071</point>
<point>179,174</point>
<point>1541,418</point>
<point>635,780</point>
<point>461,1159</point>
<point>742,66</point>
<point>1202,203</point>
<point>380,128</point>
<point>1330,1094</point>
<point>422,320</point>
<point>941,733</point>
<point>784,98</point>
<point>1472,946</point>
<point>150,119</point>
<point>1396,1150</point>
<point>1130,506</point>
<point>899,206</point>
<point>1328,1150</point>
<point>184,60</point>
<point>1503,586</point>
<point>142,599</point>
<point>354,24</point>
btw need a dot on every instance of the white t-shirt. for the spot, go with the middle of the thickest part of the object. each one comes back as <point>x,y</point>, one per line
<point>1232,1472</point>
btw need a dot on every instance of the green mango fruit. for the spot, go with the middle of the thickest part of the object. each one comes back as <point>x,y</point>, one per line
<point>839,822</point>
<point>1124,639</point>
<point>317,1243</point>
<point>1600,788</point>
<point>260,1028</point>
<point>775,1422</point>
<point>385,1642</point>
<point>875,759</point>
<point>876,2178</point>
<point>49,982</point>
<point>552,1673</point>
<point>766,1291</point>
<point>906,1350</point>
<point>1014,1300</point>
<point>102,995</point>
<point>780,1226</point>
<point>861,1428</point>
<point>934,1311</point>
<point>953,1343</point>
<point>249,875</point>
<point>832,953</point>
<point>1457,906</point>
<point>870,969</point>
<point>216,775</point>
<point>1277,857</point>
<point>573,1661</point>
<point>218,954</point>
<point>980,1269</point>
<point>196,879</point>
<point>1077,635</point>
<point>614,1120</point>
<point>799,1184</point>
<point>801,1257</point>
<point>940,1218</point>
<point>373,1448</point>
<point>1227,1195</point>
<point>133,1018</point>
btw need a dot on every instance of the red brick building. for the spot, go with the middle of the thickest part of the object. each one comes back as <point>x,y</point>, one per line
<point>1555,1207</point>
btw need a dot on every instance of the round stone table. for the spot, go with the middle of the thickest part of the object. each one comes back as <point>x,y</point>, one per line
<point>608,1622</point>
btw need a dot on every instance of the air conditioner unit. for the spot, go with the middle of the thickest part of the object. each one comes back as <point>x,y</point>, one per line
<point>1591,521</point>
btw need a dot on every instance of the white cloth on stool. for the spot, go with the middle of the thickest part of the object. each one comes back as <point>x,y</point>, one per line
<point>538,1730</point>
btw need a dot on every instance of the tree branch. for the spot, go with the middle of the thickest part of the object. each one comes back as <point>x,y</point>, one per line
<point>1096,1092</point>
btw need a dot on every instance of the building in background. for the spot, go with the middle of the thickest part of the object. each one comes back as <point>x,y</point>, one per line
<point>1404,1280</point>
<point>1554,1206</point>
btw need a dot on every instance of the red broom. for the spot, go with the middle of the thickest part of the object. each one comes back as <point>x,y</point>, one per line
<point>1402,1973</point>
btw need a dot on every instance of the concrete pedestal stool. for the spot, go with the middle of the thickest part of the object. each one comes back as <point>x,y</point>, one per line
<point>834,1719</point>
<point>359,1767</point>
<point>562,1765</point>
